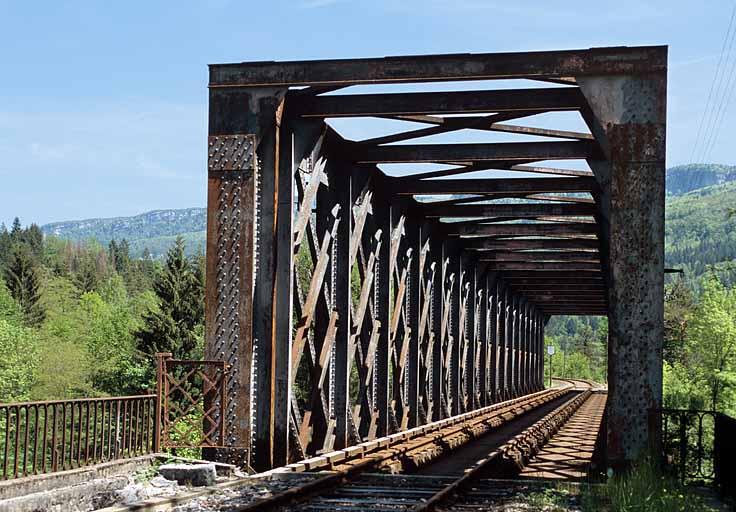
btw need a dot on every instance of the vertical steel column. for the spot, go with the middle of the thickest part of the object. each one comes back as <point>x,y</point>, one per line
<point>470,334</point>
<point>455,331</point>
<point>493,330</point>
<point>542,351</point>
<point>520,345</point>
<point>628,116</point>
<point>526,375</point>
<point>414,242</point>
<point>503,309</point>
<point>234,113</point>
<point>383,313</point>
<point>437,249</point>
<point>484,339</point>
<point>281,334</point>
<point>535,354</point>
<point>342,183</point>
<point>510,334</point>
<point>514,350</point>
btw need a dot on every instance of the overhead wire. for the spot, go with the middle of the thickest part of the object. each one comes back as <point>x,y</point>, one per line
<point>715,88</point>
<point>722,108</point>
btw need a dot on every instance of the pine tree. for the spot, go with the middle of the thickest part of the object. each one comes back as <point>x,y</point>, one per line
<point>112,251</point>
<point>86,277</point>
<point>21,278</point>
<point>33,236</point>
<point>16,231</point>
<point>120,256</point>
<point>5,245</point>
<point>176,325</point>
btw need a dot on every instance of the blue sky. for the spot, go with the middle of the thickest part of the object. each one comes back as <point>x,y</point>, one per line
<point>103,105</point>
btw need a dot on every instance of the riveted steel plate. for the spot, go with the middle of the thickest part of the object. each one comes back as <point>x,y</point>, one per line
<point>231,152</point>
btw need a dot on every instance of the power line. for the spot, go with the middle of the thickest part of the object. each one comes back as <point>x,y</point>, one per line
<point>714,87</point>
<point>721,112</point>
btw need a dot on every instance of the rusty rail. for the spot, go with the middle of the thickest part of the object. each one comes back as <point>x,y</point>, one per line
<point>43,437</point>
<point>348,464</point>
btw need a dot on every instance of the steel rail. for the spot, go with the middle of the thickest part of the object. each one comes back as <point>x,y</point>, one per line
<point>402,444</point>
<point>551,423</point>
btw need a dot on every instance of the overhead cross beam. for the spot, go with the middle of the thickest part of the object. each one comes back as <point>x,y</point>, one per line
<point>434,68</point>
<point>496,185</point>
<point>518,210</point>
<point>503,151</point>
<point>542,265</point>
<point>457,102</point>
<point>532,229</point>
<point>490,123</point>
<point>541,256</point>
<point>496,244</point>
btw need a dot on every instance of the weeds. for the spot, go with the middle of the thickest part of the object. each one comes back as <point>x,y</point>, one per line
<point>643,489</point>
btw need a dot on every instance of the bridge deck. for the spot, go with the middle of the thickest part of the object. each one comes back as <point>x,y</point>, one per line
<point>568,455</point>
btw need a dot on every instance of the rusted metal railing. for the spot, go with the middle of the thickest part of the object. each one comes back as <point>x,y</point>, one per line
<point>193,399</point>
<point>43,437</point>
<point>698,446</point>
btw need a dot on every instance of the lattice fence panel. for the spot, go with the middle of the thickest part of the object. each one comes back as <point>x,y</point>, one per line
<point>193,398</point>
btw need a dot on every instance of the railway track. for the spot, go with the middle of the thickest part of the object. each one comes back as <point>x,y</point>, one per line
<point>356,479</point>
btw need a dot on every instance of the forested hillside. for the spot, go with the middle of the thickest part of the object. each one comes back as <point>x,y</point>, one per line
<point>156,230</point>
<point>700,232</point>
<point>78,319</point>
<point>684,178</point>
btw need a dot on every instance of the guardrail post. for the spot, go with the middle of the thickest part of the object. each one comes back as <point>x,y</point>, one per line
<point>159,403</point>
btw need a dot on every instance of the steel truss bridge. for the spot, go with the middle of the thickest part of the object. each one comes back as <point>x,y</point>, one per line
<point>351,302</point>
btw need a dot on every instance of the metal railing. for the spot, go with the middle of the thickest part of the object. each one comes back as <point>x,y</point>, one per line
<point>187,411</point>
<point>43,437</point>
<point>193,402</point>
<point>698,446</point>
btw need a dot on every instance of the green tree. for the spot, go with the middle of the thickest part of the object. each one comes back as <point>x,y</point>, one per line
<point>33,236</point>
<point>106,328</point>
<point>9,309</point>
<point>16,231</point>
<point>6,244</point>
<point>86,276</point>
<point>22,280</point>
<point>712,340</point>
<point>119,254</point>
<point>19,360</point>
<point>176,325</point>
<point>678,311</point>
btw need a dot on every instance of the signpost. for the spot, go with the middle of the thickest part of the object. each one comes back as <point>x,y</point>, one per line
<point>551,352</point>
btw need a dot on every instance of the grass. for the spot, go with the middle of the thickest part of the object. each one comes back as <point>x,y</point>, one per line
<point>643,489</point>
<point>550,500</point>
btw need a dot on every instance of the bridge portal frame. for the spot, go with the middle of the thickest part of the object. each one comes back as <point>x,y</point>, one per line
<point>401,316</point>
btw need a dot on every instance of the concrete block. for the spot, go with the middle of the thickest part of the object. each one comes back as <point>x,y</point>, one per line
<point>189,474</point>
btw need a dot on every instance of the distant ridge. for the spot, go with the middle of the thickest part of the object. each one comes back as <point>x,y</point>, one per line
<point>685,178</point>
<point>155,230</point>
